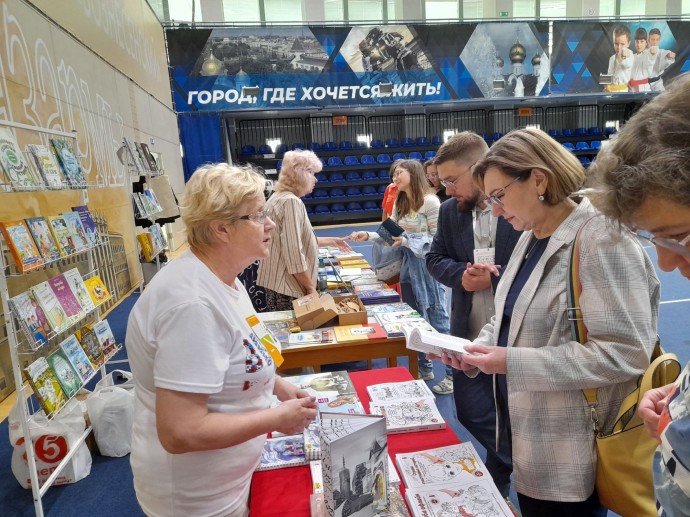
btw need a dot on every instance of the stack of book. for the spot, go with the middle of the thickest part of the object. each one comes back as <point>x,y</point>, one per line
<point>377,296</point>
<point>395,322</point>
<point>408,406</point>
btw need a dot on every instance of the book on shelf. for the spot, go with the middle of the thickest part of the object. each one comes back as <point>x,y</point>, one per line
<point>43,238</point>
<point>62,235</point>
<point>158,237</point>
<point>46,165</point>
<point>477,497</point>
<point>396,391</point>
<point>141,157</point>
<point>149,209</point>
<point>151,195</point>
<point>76,229</point>
<point>46,386</point>
<point>131,157</point>
<point>48,302</point>
<point>354,459</point>
<point>434,342</point>
<point>63,292</point>
<point>89,343</point>
<point>97,290</point>
<point>409,416</point>
<point>150,160</point>
<point>21,245</point>
<point>69,163</point>
<point>312,337</point>
<point>77,357</point>
<point>76,284</point>
<point>87,223</point>
<point>138,205</point>
<point>31,318</point>
<point>106,339</point>
<point>362,331</point>
<point>12,162</point>
<point>281,452</point>
<point>67,376</point>
<point>146,243</point>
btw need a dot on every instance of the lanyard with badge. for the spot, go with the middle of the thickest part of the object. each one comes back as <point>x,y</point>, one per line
<point>266,339</point>
<point>483,255</point>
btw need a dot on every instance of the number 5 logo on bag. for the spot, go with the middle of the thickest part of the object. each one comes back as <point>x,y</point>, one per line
<point>49,449</point>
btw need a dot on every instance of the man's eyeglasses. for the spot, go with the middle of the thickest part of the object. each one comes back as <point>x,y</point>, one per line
<point>449,183</point>
<point>496,198</point>
<point>675,245</point>
<point>256,217</point>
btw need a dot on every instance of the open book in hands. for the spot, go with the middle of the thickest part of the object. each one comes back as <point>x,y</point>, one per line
<point>434,342</point>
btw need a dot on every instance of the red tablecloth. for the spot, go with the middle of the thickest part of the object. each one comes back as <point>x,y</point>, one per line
<point>285,492</point>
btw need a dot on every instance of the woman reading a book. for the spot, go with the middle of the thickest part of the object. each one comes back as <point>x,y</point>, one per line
<point>291,268</point>
<point>204,365</point>
<point>540,367</point>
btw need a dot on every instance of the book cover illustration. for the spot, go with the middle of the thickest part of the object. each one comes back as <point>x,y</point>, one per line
<point>62,235</point>
<point>131,159</point>
<point>13,163</point>
<point>54,313</point>
<point>389,307</point>
<point>158,236</point>
<point>64,372</point>
<point>89,343</point>
<point>105,337</point>
<point>349,404</point>
<point>87,223</point>
<point>69,163</point>
<point>97,290</point>
<point>73,220</point>
<point>312,337</point>
<point>285,451</point>
<point>409,416</point>
<point>479,498</point>
<point>325,386</point>
<point>32,319</point>
<point>77,357</point>
<point>151,195</point>
<point>76,284</point>
<point>146,243</point>
<point>46,386</point>
<point>65,296</point>
<point>354,452</point>
<point>21,244</point>
<point>138,206</point>
<point>398,329</point>
<point>441,467</point>
<point>150,160</point>
<point>149,209</point>
<point>347,333</point>
<point>43,237</point>
<point>46,165</point>
<point>139,154</point>
<point>282,330</point>
<point>312,441</point>
<point>389,391</point>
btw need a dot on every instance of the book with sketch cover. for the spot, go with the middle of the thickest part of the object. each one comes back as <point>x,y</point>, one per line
<point>89,343</point>
<point>409,416</point>
<point>31,318</point>
<point>76,284</point>
<point>477,498</point>
<point>43,237</point>
<point>396,391</point>
<point>434,342</point>
<point>97,290</point>
<point>76,229</point>
<point>354,459</point>
<point>284,451</point>
<point>88,224</point>
<point>54,313</point>
<point>12,162</point>
<point>67,376</point>
<point>62,235</point>
<point>77,357</point>
<point>46,165</point>
<point>106,340</point>
<point>46,386</point>
<point>69,163</point>
<point>22,246</point>
<point>65,296</point>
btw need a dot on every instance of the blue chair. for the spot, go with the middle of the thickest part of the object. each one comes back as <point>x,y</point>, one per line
<point>265,149</point>
<point>370,206</point>
<point>581,131</point>
<point>354,206</point>
<point>383,158</point>
<point>360,145</point>
<point>369,175</point>
<point>314,146</point>
<point>309,209</point>
<point>323,163</point>
<point>322,209</point>
<point>338,208</point>
<point>367,159</point>
<point>320,193</point>
<point>582,146</point>
<point>334,161</point>
<point>595,145</point>
<point>352,176</point>
<point>335,177</point>
<point>610,131</point>
<point>436,140</point>
<point>297,147</point>
<point>594,131</point>
<point>346,144</point>
<point>351,160</point>
<point>279,165</point>
<point>496,136</point>
<point>429,155</point>
<point>353,192</point>
<point>337,193</point>
<point>307,196</point>
<point>329,146</point>
<point>384,174</point>
<point>422,140</point>
<point>414,155</point>
<point>399,156</point>
<point>247,149</point>
<point>321,177</point>
<point>569,146</point>
<point>382,189</point>
<point>368,190</point>
<point>407,142</point>
<point>392,142</point>
<point>376,144</point>
<point>584,160</point>
<point>568,132</point>
<point>282,148</point>
<point>554,133</point>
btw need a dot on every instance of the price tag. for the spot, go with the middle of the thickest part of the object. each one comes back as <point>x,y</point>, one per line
<point>485,256</point>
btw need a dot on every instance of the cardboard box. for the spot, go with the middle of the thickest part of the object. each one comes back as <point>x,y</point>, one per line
<point>313,311</point>
<point>351,318</point>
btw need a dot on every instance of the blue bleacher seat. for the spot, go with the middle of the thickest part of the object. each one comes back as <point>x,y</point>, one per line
<point>554,133</point>
<point>309,209</point>
<point>352,176</point>
<point>337,208</point>
<point>297,147</point>
<point>382,189</point>
<point>376,144</point>
<point>354,206</point>
<point>610,131</point>
<point>265,149</point>
<point>370,205</point>
<point>322,209</point>
<point>414,155</point>
<point>353,192</point>
<point>247,149</point>
<point>436,140</point>
<point>594,131</point>
<point>335,161</point>
<point>407,142</point>
<point>369,175</point>
<point>584,160</point>
<point>279,165</point>
<point>319,193</point>
<point>336,176</point>
<point>307,196</point>
<point>581,131</point>
<point>329,146</point>
<point>569,146</point>
<point>399,156</point>
<point>422,140</point>
<point>321,177</point>
<point>346,144</point>
<point>392,142</point>
<point>337,193</point>
<point>360,145</point>
<point>429,155</point>
<point>314,146</point>
<point>282,148</point>
<point>496,136</point>
<point>582,146</point>
<point>384,174</point>
<point>383,158</point>
<point>595,145</point>
<point>368,190</point>
<point>323,163</point>
<point>568,132</point>
<point>367,159</point>
<point>351,160</point>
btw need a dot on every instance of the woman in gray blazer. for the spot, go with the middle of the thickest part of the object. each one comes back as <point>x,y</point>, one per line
<point>540,368</point>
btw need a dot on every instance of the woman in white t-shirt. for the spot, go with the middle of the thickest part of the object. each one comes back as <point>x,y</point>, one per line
<point>204,365</point>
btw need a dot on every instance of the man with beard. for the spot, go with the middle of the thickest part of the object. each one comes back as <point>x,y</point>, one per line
<point>469,238</point>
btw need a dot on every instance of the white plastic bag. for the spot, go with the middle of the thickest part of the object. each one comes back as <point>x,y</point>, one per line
<point>111,410</point>
<point>52,439</point>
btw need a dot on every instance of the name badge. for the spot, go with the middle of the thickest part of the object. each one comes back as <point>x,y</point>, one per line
<point>270,343</point>
<point>485,256</point>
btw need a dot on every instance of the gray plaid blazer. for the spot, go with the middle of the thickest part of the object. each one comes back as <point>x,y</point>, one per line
<point>552,437</point>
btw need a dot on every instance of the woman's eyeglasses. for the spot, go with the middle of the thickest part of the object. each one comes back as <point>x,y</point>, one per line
<point>679,246</point>
<point>496,198</point>
<point>256,217</point>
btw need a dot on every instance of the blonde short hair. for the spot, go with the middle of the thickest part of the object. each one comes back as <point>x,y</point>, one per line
<point>295,171</point>
<point>217,192</point>
<point>522,150</point>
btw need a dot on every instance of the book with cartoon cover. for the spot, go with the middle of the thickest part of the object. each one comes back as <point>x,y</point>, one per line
<point>13,164</point>
<point>76,284</point>
<point>106,339</point>
<point>409,416</point>
<point>46,386</point>
<point>46,165</point>
<point>87,223</point>
<point>31,318</point>
<point>77,357</point>
<point>69,163</point>
<point>89,343</point>
<point>43,237</point>
<point>67,376</point>
<point>284,451</point>
<point>62,235</point>
<point>63,292</point>
<point>396,391</point>
<point>54,312</point>
<point>97,290</point>
<point>22,246</point>
<point>76,229</point>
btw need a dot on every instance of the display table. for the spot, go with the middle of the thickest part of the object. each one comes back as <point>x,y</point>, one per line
<point>285,492</point>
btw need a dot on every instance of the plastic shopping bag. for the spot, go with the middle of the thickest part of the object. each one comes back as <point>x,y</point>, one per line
<point>111,410</point>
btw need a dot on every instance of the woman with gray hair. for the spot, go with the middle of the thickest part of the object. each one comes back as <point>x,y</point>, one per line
<point>642,178</point>
<point>291,268</point>
<point>540,368</point>
<point>204,365</point>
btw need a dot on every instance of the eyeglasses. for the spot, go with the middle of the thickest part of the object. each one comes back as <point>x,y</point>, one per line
<point>432,175</point>
<point>449,183</point>
<point>677,246</point>
<point>496,198</point>
<point>256,217</point>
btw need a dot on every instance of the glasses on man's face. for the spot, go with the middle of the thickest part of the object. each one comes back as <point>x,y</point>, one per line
<point>449,183</point>
<point>679,246</point>
<point>496,198</point>
<point>256,217</point>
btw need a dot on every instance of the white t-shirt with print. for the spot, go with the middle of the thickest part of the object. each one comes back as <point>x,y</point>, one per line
<point>189,332</point>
